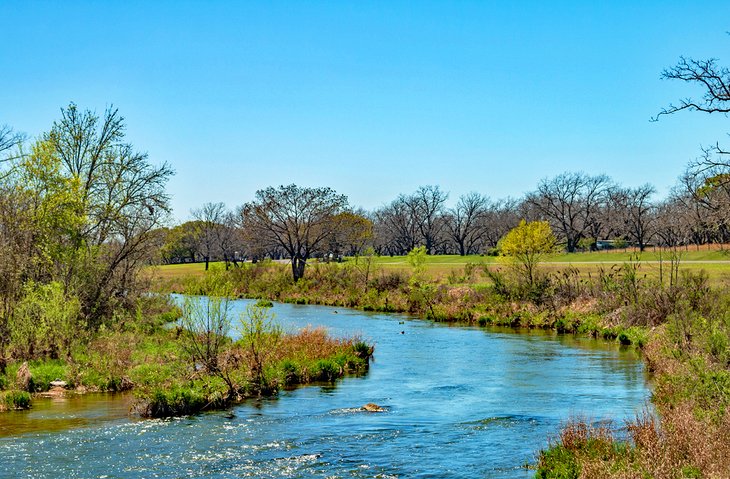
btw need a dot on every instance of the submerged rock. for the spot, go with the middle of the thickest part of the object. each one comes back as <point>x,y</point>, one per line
<point>372,407</point>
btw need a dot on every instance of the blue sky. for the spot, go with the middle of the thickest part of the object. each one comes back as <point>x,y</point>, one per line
<point>371,98</point>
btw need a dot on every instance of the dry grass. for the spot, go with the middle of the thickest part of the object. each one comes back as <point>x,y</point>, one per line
<point>312,344</point>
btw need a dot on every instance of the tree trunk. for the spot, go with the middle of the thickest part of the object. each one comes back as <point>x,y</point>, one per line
<point>297,267</point>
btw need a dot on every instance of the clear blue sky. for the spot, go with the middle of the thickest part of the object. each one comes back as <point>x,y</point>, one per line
<point>371,98</point>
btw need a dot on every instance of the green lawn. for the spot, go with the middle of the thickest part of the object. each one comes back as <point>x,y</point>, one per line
<point>715,261</point>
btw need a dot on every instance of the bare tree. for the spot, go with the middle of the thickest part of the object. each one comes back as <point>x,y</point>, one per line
<point>499,219</point>
<point>637,213</point>
<point>210,219</point>
<point>396,227</point>
<point>466,223</point>
<point>570,202</point>
<point>9,141</point>
<point>297,219</point>
<point>427,205</point>
<point>671,225</point>
<point>713,79</point>
<point>707,179</point>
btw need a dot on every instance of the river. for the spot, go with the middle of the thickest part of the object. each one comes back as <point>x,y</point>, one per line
<point>462,402</point>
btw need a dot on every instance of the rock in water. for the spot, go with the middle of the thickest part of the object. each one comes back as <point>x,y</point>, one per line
<point>58,383</point>
<point>24,379</point>
<point>372,407</point>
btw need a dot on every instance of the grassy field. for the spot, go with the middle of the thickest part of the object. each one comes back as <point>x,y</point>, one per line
<point>714,260</point>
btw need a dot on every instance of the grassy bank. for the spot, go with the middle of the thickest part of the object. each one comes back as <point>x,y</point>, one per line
<point>154,359</point>
<point>678,318</point>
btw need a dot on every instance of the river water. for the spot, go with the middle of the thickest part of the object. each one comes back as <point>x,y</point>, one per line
<point>461,403</point>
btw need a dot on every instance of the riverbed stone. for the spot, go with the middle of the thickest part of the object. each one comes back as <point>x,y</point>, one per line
<point>372,407</point>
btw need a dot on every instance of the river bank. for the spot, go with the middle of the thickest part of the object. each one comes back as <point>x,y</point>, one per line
<point>159,362</point>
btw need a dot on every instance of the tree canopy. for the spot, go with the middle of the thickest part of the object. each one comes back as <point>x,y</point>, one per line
<point>297,219</point>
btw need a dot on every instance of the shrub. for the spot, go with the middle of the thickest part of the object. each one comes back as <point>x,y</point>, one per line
<point>264,303</point>
<point>289,372</point>
<point>177,401</point>
<point>15,399</point>
<point>326,370</point>
<point>45,372</point>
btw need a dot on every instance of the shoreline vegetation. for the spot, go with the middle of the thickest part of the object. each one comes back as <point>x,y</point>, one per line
<point>676,318</point>
<point>160,361</point>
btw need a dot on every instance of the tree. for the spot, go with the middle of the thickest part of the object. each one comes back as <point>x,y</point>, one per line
<point>210,218</point>
<point>526,246</point>
<point>9,141</point>
<point>637,211</point>
<point>260,337</point>
<point>571,203</point>
<point>396,227</point>
<point>297,219</point>
<point>180,243</point>
<point>122,199</point>
<point>206,323</point>
<point>465,222</point>
<point>354,233</point>
<point>411,220</point>
<point>427,205</point>
<point>707,179</point>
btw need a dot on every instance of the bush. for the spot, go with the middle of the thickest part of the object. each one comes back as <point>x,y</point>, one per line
<point>289,372</point>
<point>557,462</point>
<point>390,281</point>
<point>177,401</point>
<point>15,400</point>
<point>151,375</point>
<point>326,370</point>
<point>264,303</point>
<point>45,372</point>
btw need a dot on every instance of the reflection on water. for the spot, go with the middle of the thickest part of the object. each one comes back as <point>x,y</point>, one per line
<point>70,411</point>
<point>460,402</point>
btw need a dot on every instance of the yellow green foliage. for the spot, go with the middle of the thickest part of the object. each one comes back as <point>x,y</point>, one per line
<point>526,245</point>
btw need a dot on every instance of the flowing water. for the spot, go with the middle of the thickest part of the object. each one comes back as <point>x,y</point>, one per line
<point>460,402</point>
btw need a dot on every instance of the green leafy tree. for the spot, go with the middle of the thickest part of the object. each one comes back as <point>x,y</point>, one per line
<point>417,259</point>
<point>45,323</point>
<point>525,246</point>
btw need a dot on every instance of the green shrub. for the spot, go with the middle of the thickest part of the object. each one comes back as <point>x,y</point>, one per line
<point>718,346</point>
<point>15,399</point>
<point>590,324</point>
<point>557,462</point>
<point>289,372</point>
<point>151,375</point>
<point>264,303</point>
<point>45,372</point>
<point>362,349</point>
<point>326,370</point>
<point>634,335</point>
<point>177,401</point>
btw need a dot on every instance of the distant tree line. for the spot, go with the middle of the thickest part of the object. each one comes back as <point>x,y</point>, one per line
<point>585,211</point>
